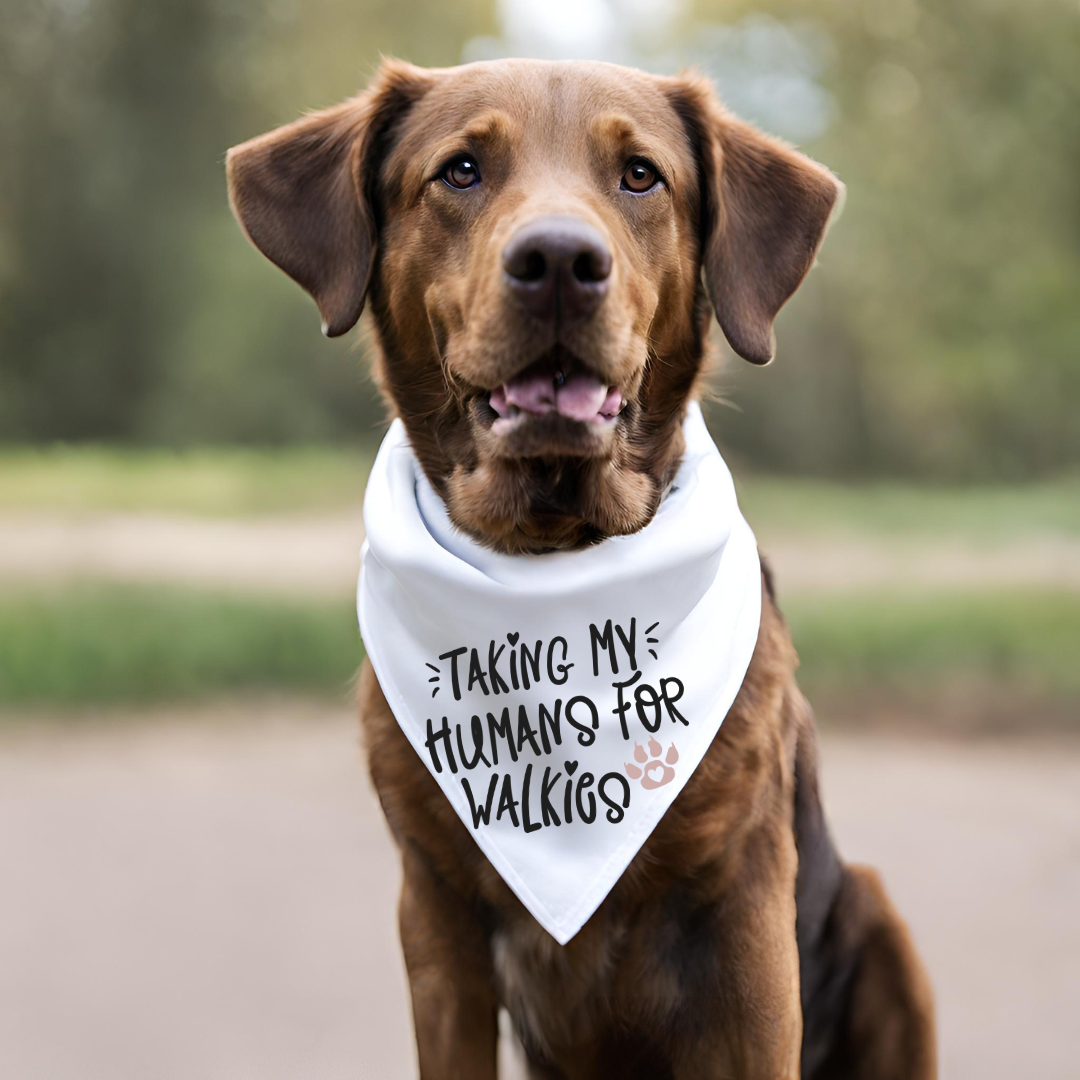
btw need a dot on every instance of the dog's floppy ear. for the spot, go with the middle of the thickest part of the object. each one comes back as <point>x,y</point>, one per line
<point>303,193</point>
<point>764,211</point>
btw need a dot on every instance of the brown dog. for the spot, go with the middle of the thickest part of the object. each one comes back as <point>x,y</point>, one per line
<point>517,225</point>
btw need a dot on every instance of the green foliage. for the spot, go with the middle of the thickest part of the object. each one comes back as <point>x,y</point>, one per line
<point>106,644</point>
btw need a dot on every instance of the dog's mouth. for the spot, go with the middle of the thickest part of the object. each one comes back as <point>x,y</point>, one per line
<point>555,386</point>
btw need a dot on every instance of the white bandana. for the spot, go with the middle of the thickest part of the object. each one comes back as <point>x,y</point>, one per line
<point>561,701</point>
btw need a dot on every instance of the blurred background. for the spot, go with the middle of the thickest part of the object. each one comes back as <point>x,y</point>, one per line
<point>196,878</point>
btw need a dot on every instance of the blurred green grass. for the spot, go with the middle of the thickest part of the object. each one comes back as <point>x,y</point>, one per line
<point>104,644</point>
<point>242,482</point>
<point>98,644</point>
<point>219,482</point>
<point>892,642</point>
<point>883,509</point>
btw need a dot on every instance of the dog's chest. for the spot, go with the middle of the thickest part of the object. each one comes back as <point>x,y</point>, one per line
<point>556,995</point>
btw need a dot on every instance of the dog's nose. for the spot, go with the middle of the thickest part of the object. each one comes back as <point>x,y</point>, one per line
<point>557,267</point>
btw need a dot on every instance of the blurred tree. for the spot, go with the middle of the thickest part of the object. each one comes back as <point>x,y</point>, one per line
<point>130,305</point>
<point>941,333</point>
<point>940,336</point>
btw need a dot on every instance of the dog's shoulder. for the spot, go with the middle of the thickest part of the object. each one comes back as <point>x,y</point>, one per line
<point>420,816</point>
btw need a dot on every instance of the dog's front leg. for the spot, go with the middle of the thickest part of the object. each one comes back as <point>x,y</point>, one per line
<point>455,1014</point>
<point>750,1023</point>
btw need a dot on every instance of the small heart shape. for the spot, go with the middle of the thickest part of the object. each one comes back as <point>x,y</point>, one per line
<point>571,767</point>
<point>512,638</point>
<point>650,769</point>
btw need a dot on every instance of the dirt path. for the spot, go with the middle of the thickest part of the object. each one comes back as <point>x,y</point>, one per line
<point>320,555</point>
<point>212,896</point>
<point>286,555</point>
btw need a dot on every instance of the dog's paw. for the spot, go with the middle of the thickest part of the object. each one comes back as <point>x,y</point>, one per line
<point>654,773</point>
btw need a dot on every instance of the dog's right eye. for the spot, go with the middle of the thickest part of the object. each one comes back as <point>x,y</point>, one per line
<point>461,173</point>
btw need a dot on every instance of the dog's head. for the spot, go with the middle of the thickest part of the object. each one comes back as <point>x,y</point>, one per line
<point>539,242</point>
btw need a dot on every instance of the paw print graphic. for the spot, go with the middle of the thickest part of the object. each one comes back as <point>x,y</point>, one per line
<point>654,772</point>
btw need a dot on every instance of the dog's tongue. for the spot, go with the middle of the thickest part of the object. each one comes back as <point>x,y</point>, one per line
<point>579,397</point>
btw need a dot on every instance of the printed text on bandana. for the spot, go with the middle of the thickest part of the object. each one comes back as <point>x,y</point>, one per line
<point>553,738</point>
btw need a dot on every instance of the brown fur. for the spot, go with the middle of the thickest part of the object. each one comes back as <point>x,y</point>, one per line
<point>736,944</point>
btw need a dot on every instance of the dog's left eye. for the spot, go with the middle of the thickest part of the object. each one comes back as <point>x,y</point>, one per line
<point>461,173</point>
<point>640,176</point>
